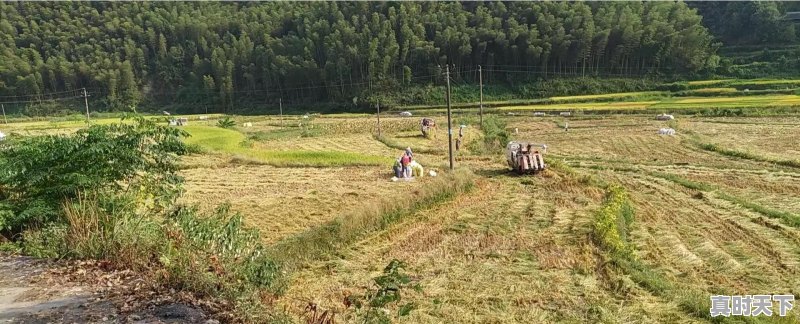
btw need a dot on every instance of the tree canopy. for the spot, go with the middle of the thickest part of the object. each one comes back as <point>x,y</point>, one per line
<point>127,53</point>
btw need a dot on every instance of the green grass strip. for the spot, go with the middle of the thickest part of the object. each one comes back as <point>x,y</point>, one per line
<point>231,142</point>
<point>787,218</point>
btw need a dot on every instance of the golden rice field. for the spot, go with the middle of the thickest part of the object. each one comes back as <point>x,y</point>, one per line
<point>709,82</point>
<point>605,96</point>
<point>522,249</point>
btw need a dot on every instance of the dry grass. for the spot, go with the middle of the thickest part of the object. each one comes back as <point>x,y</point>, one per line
<point>780,142</point>
<point>284,201</point>
<point>517,249</point>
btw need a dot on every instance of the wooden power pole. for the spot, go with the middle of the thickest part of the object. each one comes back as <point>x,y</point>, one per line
<point>86,101</point>
<point>449,119</point>
<point>378,105</point>
<point>5,120</point>
<point>280,106</point>
<point>480,80</point>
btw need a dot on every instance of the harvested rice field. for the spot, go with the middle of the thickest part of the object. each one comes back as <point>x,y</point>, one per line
<point>624,226</point>
<point>526,248</point>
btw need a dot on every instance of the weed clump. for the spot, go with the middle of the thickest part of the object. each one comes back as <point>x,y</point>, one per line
<point>495,136</point>
<point>612,221</point>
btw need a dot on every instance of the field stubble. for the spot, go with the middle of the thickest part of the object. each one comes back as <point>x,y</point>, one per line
<point>518,249</point>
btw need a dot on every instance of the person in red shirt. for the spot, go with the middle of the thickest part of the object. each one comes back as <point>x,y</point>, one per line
<point>405,161</point>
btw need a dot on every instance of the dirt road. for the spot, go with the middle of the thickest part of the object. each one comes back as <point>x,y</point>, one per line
<point>37,291</point>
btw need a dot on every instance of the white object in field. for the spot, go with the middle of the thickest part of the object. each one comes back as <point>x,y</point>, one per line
<point>666,131</point>
<point>305,116</point>
<point>416,169</point>
<point>665,117</point>
<point>746,90</point>
<point>432,173</point>
<point>2,136</point>
<point>539,113</point>
<point>565,113</point>
<point>247,124</point>
<point>405,114</point>
<point>516,130</point>
<point>165,112</point>
<point>203,117</point>
<point>394,179</point>
<point>173,122</point>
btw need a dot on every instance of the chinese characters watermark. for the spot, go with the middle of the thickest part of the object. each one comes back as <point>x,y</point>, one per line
<point>755,305</point>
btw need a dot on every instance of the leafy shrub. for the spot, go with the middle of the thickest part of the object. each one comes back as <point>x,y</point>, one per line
<point>48,242</point>
<point>218,256</point>
<point>226,122</point>
<point>387,289</point>
<point>39,173</point>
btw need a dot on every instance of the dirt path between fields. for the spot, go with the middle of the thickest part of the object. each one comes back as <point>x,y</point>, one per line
<point>42,291</point>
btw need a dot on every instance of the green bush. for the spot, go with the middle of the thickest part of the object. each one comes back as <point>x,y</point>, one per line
<point>387,290</point>
<point>39,173</point>
<point>226,122</point>
<point>495,136</point>
<point>216,255</point>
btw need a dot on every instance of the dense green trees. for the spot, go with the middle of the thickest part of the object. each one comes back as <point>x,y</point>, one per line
<point>748,22</point>
<point>218,53</point>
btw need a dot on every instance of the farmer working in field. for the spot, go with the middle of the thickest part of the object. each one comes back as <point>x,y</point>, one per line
<point>405,160</point>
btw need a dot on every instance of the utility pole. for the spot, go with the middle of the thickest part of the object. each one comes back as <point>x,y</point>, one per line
<point>449,122</point>
<point>378,105</point>
<point>5,120</point>
<point>480,79</point>
<point>280,106</point>
<point>86,101</point>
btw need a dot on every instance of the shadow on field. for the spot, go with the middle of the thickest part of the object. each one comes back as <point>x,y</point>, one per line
<point>411,136</point>
<point>492,173</point>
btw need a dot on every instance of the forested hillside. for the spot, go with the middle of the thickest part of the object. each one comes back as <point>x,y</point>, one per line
<point>224,53</point>
<point>748,22</point>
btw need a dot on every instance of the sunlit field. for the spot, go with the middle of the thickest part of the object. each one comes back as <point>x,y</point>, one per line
<point>715,208</point>
<point>704,221</point>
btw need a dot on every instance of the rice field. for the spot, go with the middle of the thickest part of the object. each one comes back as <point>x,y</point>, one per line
<point>606,96</point>
<point>521,249</point>
<point>708,82</point>
<point>510,248</point>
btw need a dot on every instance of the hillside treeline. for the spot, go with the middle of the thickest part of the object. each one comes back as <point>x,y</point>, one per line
<point>212,52</point>
<point>749,22</point>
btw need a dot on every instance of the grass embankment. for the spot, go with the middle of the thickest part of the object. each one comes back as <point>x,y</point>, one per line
<point>231,142</point>
<point>395,144</point>
<point>326,240</point>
